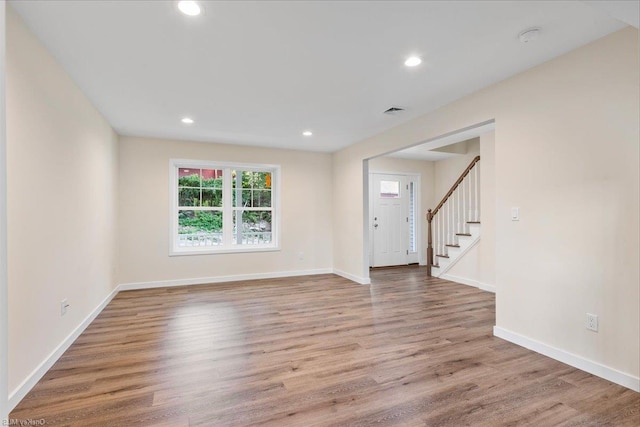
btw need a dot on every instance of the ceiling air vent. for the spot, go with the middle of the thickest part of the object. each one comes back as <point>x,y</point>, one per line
<point>394,110</point>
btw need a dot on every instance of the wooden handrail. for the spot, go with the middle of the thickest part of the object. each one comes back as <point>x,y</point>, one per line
<point>431,214</point>
<point>457,183</point>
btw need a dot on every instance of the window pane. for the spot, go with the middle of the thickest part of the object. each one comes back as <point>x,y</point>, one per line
<point>255,227</point>
<point>260,180</point>
<point>262,199</point>
<point>251,179</point>
<point>189,197</point>
<point>390,189</point>
<point>246,199</point>
<point>211,198</point>
<point>255,188</point>
<point>188,177</point>
<point>199,228</point>
<point>212,178</point>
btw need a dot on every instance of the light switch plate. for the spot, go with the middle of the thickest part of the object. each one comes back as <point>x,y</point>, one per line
<point>515,214</point>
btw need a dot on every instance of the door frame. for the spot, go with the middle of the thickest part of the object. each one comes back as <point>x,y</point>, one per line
<point>415,257</point>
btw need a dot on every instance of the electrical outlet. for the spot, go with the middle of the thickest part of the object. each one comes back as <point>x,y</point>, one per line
<point>592,322</point>
<point>63,307</point>
<point>300,255</point>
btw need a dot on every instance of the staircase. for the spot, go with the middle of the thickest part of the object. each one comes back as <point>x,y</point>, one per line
<point>454,225</point>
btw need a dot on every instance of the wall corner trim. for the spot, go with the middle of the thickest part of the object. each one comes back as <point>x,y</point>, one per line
<point>470,282</point>
<point>579,362</point>
<point>21,391</point>
<point>352,277</point>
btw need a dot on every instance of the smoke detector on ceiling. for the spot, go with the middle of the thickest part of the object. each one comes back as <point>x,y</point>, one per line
<point>529,35</point>
<point>394,110</point>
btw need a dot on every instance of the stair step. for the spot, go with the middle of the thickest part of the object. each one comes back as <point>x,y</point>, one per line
<point>473,222</point>
<point>443,256</point>
<point>453,246</point>
<point>463,234</point>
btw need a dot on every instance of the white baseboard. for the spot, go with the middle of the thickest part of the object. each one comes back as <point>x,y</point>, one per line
<point>354,278</point>
<point>21,391</point>
<point>469,282</point>
<point>579,362</point>
<point>219,279</point>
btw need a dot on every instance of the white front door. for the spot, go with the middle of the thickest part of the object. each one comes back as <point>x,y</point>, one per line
<point>390,235</point>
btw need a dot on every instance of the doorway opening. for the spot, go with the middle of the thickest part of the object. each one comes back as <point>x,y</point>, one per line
<point>395,233</point>
<point>428,164</point>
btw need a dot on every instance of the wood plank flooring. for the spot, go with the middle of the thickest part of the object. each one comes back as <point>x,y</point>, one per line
<point>407,350</point>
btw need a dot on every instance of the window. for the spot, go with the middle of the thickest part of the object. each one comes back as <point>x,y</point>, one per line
<point>223,207</point>
<point>390,189</point>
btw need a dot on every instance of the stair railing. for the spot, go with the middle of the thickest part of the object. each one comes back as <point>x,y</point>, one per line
<point>459,207</point>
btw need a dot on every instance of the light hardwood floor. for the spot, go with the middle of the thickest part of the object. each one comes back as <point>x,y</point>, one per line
<point>407,350</point>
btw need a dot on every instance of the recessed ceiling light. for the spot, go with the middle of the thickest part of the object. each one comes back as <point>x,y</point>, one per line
<point>189,7</point>
<point>187,121</point>
<point>307,133</point>
<point>412,61</point>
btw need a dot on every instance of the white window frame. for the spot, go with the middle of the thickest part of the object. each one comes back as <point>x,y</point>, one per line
<point>227,209</point>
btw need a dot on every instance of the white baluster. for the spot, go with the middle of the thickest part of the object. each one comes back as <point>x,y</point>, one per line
<point>469,198</point>
<point>460,210</point>
<point>475,173</point>
<point>452,230</point>
<point>454,217</point>
<point>441,219</point>
<point>440,213</point>
<point>453,220</point>
<point>464,204</point>
<point>436,244</point>
<point>445,222</point>
<point>438,234</point>
<point>437,238</point>
<point>479,191</point>
<point>448,226</point>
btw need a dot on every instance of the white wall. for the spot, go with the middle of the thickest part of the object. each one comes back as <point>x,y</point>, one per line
<point>61,197</point>
<point>566,153</point>
<point>306,180</point>
<point>419,167</point>
<point>4,330</point>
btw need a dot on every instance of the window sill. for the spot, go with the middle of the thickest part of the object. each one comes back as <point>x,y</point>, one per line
<point>208,251</point>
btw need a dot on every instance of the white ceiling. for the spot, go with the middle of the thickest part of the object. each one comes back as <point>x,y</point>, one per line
<point>259,73</point>
<point>627,11</point>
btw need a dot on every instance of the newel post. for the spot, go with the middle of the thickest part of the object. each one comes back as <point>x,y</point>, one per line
<point>429,243</point>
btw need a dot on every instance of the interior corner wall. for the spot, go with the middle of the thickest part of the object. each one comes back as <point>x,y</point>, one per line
<point>61,198</point>
<point>306,228</point>
<point>567,154</point>
<point>417,167</point>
